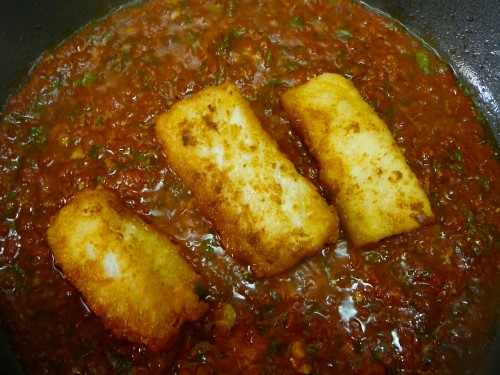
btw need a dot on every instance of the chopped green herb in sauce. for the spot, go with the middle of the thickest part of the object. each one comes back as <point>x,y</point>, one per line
<point>344,34</point>
<point>86,80</point>
<point>423,62</point>
<point>297,22</point>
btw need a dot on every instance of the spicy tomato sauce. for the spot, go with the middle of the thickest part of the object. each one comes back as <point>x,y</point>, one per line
<point>420,301</point>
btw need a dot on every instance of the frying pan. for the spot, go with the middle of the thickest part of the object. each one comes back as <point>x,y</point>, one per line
<point>466,35</point>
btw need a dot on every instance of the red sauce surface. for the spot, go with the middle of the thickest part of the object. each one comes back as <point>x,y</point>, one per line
<point>420,301</point>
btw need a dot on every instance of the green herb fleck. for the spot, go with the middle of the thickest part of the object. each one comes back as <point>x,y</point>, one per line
<point>86,80</point>
<point>427,273</point>
<point>11,224</point>
<point>74,112</point>
<point>119,363</point>
<point>220,75</point>
<point>208,249</point>
<point>275,346</point>
<point>99,180</point>
<point>441,67</point>
<point>269,57</point>
<point>358,346</point>
<point>38,135</point>
<point>478,250</point>
<point>55,83</point>
<point>275,295</point>
<point>393,27</point>
<point>100,120</point>
<point>191,36</point>
<point>457,168</point>
<point>209,246</point>
<point>144,160</point>
<point>297,22</point>
<point>459,156</point>
<point>471,225</point>
<point>344,34</point>
<point>217,8</point>
<point>312,350</point>
<point>274,81</point>
<point>222,45</point>
<point>238,33</point>
<point>267,311</point>
<point>185,19</point>
<point>140,157</point>
<point>19,270</point>
<point>121,167</point>
<point>177,190</point>
<point>12,194</point>
<point>95,151</point>
<point>291,65</point>
<point>423,62</point>
<point>20,275</point>
<point>200,289</point>
<point>484,180</point>
<point>374,256</point>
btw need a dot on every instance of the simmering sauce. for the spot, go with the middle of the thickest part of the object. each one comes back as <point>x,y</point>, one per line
<point>419,301</point>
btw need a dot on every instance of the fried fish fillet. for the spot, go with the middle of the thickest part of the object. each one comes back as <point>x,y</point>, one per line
<point>377,194</point>
<point>265,212</point>
<point>132,277</point>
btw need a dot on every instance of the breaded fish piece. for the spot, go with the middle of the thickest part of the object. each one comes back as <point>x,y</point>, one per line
<point>132,277</point>
<point>265,212</point>
<point>377,194</point>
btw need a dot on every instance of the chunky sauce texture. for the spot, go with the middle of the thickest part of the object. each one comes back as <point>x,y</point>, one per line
<point>421,301</point>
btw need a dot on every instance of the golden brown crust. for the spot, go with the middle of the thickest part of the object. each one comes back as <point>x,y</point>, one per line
<point>132,277</point>
<point>266,213</point>
<point>377,194</point>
